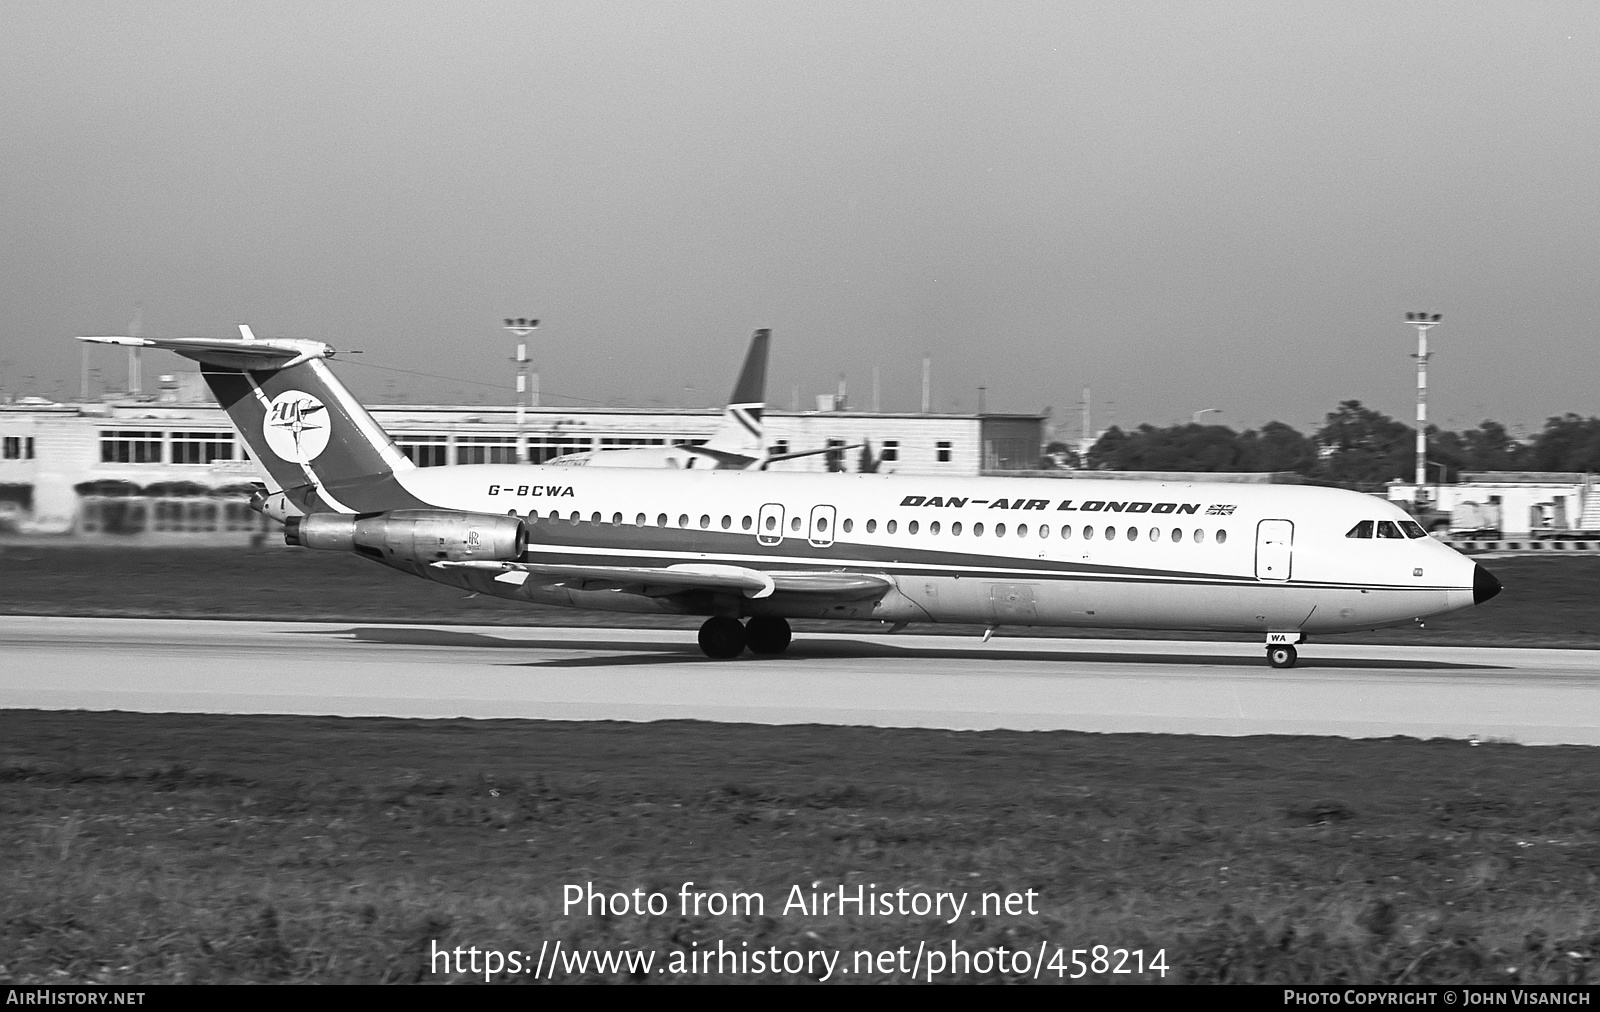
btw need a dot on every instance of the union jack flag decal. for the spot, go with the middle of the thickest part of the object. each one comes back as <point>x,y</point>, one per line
<point>1219,511</point>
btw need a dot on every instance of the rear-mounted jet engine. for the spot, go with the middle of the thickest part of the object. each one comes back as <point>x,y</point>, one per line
<point>422,536</point>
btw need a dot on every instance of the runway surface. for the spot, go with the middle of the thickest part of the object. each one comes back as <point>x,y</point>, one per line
<point>354,669</point>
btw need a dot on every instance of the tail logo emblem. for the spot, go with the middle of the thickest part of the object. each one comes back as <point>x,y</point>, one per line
<point>296,427</point>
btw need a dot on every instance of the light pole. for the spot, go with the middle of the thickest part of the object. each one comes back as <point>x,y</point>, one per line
<point>1424,322</point>
<point>522,327</point>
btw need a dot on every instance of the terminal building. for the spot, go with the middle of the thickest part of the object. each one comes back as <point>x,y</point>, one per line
<point>171,468</point>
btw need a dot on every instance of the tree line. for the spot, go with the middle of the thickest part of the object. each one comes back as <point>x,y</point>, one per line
<point>1356,447</point>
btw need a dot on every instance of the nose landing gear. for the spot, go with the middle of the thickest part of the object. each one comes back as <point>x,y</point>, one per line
<point>1280,649</point>
<point>723,638</point>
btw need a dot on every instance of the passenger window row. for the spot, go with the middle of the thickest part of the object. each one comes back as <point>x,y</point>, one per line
<point>956,528</point>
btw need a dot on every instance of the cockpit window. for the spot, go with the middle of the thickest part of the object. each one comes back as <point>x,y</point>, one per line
<point>1361,530</point>
<point>1388,529</point>
<point>1413,529</point>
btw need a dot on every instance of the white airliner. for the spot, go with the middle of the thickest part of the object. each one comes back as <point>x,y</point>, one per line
<point>737,443</point>
<point>752,549</point>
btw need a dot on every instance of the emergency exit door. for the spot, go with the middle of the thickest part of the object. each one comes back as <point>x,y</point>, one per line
<point>1274,549</point>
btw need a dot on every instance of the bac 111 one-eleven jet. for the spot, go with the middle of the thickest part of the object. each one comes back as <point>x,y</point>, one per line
<point>752,549</point>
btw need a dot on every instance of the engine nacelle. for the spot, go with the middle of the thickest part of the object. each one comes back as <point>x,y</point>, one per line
<point>412,535</point>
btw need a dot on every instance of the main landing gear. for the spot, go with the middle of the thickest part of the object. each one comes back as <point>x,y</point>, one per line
<point>723,638</point>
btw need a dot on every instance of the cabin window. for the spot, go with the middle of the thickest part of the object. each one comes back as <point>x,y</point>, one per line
<point>977,530</point>
<point>933,528</point>
<point>683,520</point>
<point>1361,530</point>
<point>794,525</point>
<point>705,521</point>
<point>594,519</point>
<point>889,526</point>
<point>822,524</point>
<point>1022,530</point>
<point>1199,537</point>
<point>1066,532</point>
<point>1222,537</point>
<point>641,520</point>
<point>661,520</point>
<point>1413,529</point>
<point>911,528</point>
<point>1111,533</point>
<point>1133,534</point>
<point>872,525</point>
<point>849,525</point>
<point>745,523</point>
<point>1088,533</point>
<point>772,523</point>
<point>727,521</point>
<point>955,529</point>
<point>576,518</point>
<point>999,530</point>
<point>1044,530</point>
<point>1155,534</point>
<point>1388,529</point>
<point>1177,535</point>
<point>555,515</point>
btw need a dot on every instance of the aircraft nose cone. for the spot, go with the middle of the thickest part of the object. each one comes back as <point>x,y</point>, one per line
<point>1484,585</point>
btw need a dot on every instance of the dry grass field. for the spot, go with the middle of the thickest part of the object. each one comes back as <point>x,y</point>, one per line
<point>192,848</point>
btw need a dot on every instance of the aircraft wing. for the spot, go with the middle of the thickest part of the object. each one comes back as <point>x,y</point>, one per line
<point>752,583</point>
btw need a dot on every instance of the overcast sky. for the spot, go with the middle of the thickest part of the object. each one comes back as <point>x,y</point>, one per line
<point>1181,205</point>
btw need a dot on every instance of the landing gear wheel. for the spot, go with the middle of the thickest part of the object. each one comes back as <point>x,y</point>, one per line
<point>767,636</point>
<point>722,638</point>
<point>1282,656</point>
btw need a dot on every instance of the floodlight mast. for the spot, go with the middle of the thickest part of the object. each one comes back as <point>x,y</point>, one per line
<point>1423,322</point>
<point>522,327</point>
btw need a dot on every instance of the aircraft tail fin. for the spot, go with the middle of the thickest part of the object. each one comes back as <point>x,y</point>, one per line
<point>740,432</point>
<point>298,420</point>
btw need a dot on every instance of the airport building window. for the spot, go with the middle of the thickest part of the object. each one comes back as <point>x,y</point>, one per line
<point>19,448</point>
<point>425,450</point>
<point>779,448</point>
<point>542,449</point>
<point>125,446</point>
<point>891,450</point>
<point>944,451</point>
<point>201,447</point>
<point>486,449</point>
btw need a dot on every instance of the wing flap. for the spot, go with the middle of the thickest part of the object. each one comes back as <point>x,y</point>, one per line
<point>751,583</point>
